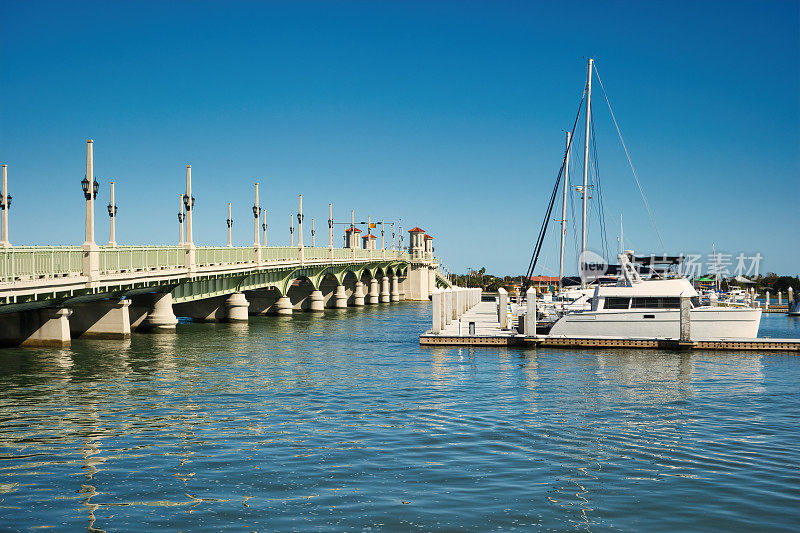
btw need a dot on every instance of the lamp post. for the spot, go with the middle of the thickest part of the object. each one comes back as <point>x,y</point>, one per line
<point>112,214</point>
<point>230,223</point>
<point>264,224</point>
<point>369,232</point>
<point>256,216</point>
<point>291,230</point>
<point>330,232</point>
<point>383,242</point>
<point>313,233</point>
<point>180,219</point>
<point>5,205</point>
<point>188,203</point>
<point>300,253</point>
<point>353,241</point>
<point>89,193</point>
<point>91,257</point>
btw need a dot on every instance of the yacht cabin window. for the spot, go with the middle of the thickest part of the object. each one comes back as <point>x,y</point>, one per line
<point>656,303</point>
<point>616,303</point>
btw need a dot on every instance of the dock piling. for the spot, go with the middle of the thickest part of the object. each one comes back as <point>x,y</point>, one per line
<point>530,313</point>
<point>436,311</point>
<point>502,307</point>
<point>685,321</point>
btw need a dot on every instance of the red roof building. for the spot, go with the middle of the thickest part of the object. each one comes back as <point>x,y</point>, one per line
<point>544,283</point>
<point>416,230</point>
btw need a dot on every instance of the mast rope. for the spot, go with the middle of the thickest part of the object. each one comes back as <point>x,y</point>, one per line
<point>543,229</point>
<point>641,191</point>
<point>599,206</point>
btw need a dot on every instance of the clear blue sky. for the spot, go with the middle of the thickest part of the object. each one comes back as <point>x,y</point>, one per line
<point>447,114</point>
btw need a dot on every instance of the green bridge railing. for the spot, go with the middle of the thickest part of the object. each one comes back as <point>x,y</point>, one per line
<point>40,261</point>
<point>35,262</point>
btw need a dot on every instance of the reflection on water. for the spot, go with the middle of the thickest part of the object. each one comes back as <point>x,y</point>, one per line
<point>342,421</point>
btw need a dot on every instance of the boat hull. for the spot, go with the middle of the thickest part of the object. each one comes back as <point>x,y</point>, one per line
<point>707,323</point>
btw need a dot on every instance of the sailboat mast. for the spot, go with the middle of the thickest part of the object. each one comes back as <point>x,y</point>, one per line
<point>563,216</point>
<point>586,162</point>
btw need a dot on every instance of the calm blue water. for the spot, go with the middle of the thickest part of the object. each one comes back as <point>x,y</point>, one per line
<point>344,422</point>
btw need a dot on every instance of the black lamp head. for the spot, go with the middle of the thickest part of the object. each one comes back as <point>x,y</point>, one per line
<point>256,210</point>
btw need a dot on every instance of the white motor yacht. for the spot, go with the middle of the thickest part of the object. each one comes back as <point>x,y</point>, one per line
<point>639,308</point>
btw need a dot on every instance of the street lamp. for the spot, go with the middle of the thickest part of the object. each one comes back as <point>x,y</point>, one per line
<point>85,186</point>
<point>180,219</point>
<point>5,205</point>
<point>112,210</point>
<point>189,204</point>
<point>229,221</point>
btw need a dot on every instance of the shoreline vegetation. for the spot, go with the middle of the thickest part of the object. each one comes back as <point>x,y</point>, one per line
<point>771,282</point>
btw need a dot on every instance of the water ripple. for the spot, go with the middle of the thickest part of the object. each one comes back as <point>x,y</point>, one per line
<point>343,422</point>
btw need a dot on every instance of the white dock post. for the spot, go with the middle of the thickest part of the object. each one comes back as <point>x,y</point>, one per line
<point>685,320</point>
<point>436,315</point>
<point>766,301</point>
<point>713,299</point>
<point>530,315</point>
<point>780,298</point>
<point>448,305</point>
<point>790,297</point>
<point>453,309</point>
<point>502,307</point>
<point>443,308</point>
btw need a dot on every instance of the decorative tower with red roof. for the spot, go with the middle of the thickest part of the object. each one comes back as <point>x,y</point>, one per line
<point>416,246</point>
<point>351,237</point>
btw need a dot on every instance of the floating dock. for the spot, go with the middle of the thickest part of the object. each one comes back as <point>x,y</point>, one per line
<point>488,332</point>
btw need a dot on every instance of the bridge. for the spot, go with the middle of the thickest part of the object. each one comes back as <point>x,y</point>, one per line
<point>52,294</point>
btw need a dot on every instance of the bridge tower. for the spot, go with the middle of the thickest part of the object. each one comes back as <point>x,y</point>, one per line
<point>419,275</point>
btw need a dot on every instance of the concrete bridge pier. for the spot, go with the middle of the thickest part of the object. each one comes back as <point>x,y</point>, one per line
<point>316,301</point>
<point>340,297</point>
<point>153,313</point>
<point>394,294</point>
<point>385,297</point>
<point>106,319</point>
<point>358,295</point>
<point>236,307</point>
<point>40,327</point>
<point>373,297</point>
<point>418,278</point>
<point>283,306</point>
